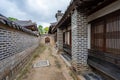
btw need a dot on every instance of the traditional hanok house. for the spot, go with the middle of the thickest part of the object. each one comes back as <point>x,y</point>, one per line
<point>28,24</point>
<point>95,30</point>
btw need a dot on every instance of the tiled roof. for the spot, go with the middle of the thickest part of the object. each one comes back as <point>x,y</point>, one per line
<point>52,26</point>
<point>24,23</point>
<point>14,25</point>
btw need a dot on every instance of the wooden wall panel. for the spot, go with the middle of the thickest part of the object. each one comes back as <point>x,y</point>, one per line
<point>105,34</point>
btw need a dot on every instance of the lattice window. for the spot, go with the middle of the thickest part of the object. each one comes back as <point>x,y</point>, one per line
<point>98,35</point>
<point>106,34</point>
<point>113,34</point>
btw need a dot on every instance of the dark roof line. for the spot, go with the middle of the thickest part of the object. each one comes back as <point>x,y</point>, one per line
<point>81,4</point>
<point>24,23</point>
<point>12,24</point>
<point>52,26</point>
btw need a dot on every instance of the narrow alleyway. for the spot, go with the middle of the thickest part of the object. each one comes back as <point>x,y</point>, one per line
<point>57,70</point>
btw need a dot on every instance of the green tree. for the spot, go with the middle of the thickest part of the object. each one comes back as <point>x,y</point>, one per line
<point>12,19</point>
<point>40,29</point>
<point>46,29</point>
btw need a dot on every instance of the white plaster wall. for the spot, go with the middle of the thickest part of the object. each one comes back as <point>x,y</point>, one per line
<point>69,38</point>
<point>89,36</point>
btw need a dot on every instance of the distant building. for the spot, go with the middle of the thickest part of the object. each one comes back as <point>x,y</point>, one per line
<point>28,25</point>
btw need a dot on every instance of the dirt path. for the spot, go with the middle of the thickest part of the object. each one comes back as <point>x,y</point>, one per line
<point>56,71</point>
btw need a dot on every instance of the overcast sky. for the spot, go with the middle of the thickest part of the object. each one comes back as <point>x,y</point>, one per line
<point>40,11</point>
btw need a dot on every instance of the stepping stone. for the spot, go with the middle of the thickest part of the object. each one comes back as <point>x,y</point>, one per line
<point>41,63</point>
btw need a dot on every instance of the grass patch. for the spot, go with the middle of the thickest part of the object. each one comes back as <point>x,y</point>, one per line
<point>53,56</point>
<point>39,51</point>
<point>50,54</point>
<point>57,64</point>
<point>36,53</point>
<point>73,75</point>
<point>49,49</point>
<point>24,72</point>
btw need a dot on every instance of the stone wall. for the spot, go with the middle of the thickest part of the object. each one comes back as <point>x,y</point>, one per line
<point>15,50</point>
<point>79,41</point>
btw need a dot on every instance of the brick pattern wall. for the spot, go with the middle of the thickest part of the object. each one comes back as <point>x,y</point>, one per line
<point>79,41</point>
<point>13,43</point>
<point>60,39</point>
